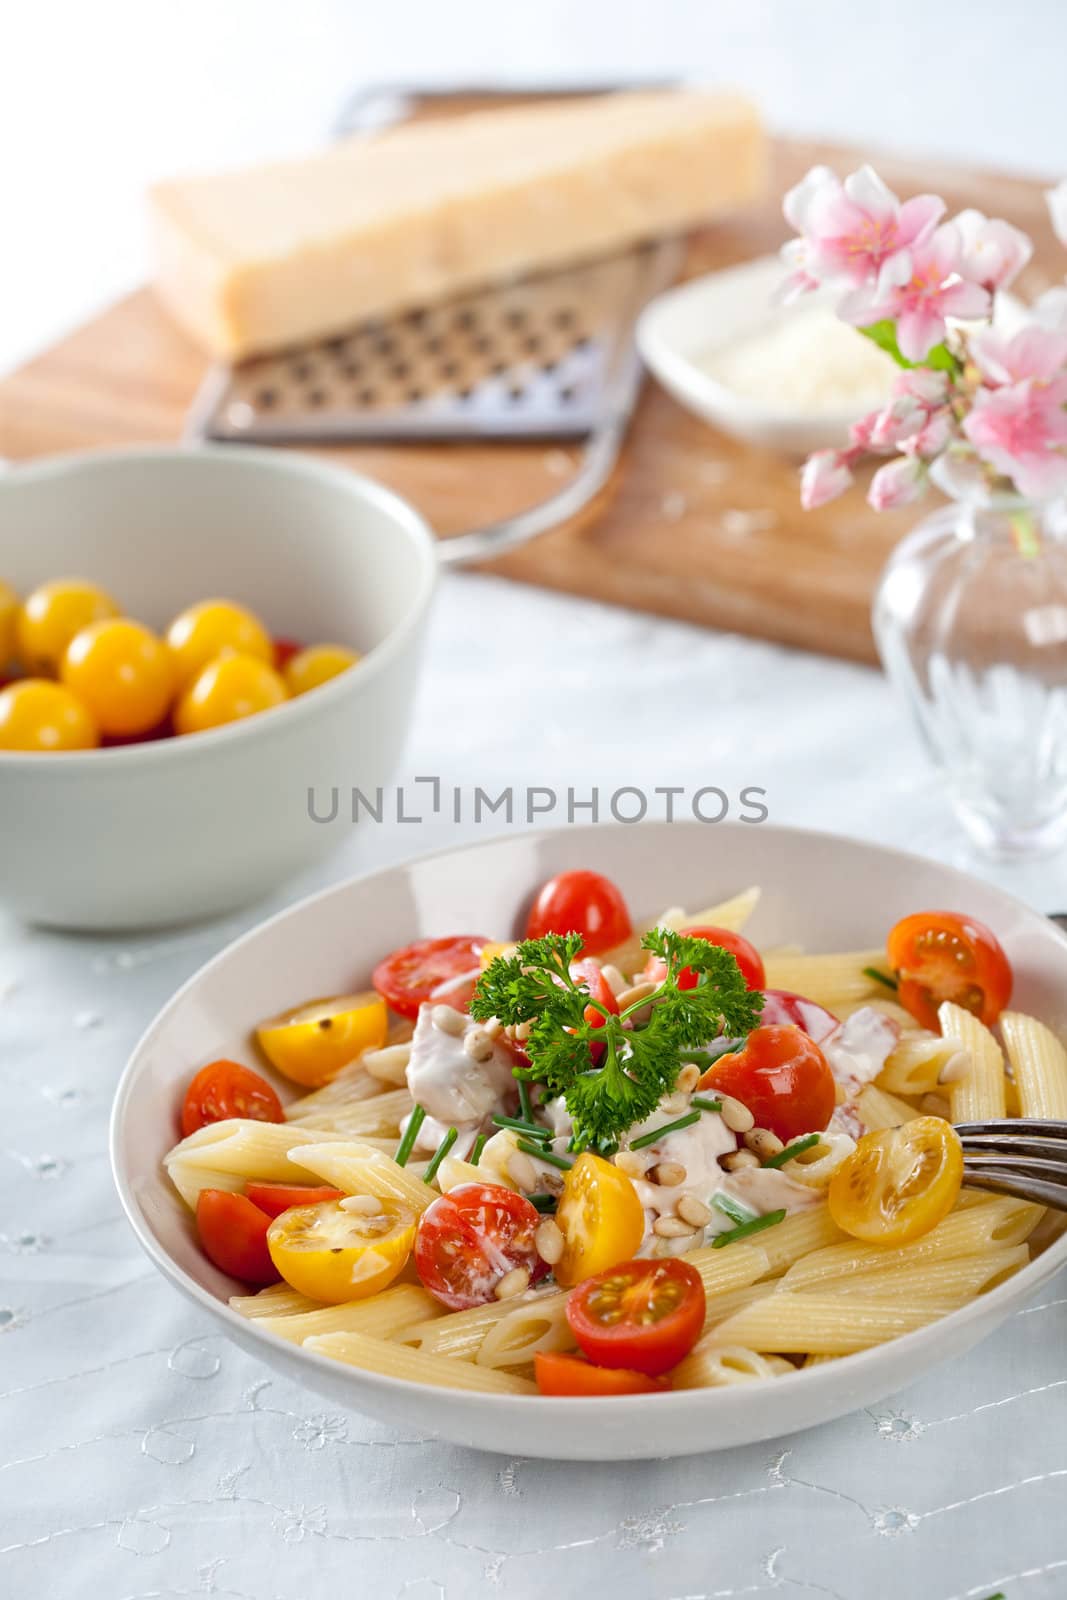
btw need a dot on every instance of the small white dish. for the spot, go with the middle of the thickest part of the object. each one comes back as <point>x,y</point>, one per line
<point>156,833</point>
<point>684,328</point>
<point>830,893</point>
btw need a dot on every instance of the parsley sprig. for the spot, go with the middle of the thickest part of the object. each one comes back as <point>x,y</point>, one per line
<point>622,1081</point>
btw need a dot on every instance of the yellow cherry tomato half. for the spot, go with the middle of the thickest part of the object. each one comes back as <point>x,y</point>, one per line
<point>215,628</point>
<point>342,1249</point>
<point>122,673</point>
<point>50,617</point>
<point>317,665</point>
<point>601,1217</point>
<point>898,1183</point>
<point>9,610</point>
<point>490,951</point>
<point>311,1043</point>
<point>36,714</point>
<point>229,689</point>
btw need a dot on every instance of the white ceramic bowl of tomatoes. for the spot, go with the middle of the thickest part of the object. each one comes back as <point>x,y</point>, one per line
<point>158,766</point>
<point>819,891</point>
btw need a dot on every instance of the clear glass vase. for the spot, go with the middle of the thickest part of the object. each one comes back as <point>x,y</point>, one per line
<point>970,619</point>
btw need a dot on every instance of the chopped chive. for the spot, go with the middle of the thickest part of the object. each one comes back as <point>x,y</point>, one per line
<point>411,1133</point>
<point>701,1104</point>
<point>880,977</point>
<point>797,1148</point>
<point>736,1210</point>
<point>439,1155</point>
<point>543,1202</point>
<point>531,1130</point>
<point>668,1127</point>
<point>525,1108</point>
<point>528,1147</point>
<point>746,1229</point>
<point>477,1148</point>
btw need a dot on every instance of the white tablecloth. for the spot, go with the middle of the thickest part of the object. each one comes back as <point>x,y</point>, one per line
<point>143,1458</point>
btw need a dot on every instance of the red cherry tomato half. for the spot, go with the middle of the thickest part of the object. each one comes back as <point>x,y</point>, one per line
<point>644,1315</point>
<point>588,974</point>
<point>233,1233</point>
<point>226,1089</point>
<point>941,955</point>
<point>746,955</point>
<point>430,969</point>
<point>569,1375</point>
<point>782,1077</point>
<point>274,1198</point>
<point>581,902</point>
<point>471,1238</point>
<point>284,651</point>
<point>782,1009</point>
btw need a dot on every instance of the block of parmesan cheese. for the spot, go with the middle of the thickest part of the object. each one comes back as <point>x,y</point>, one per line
<point>274,256</point>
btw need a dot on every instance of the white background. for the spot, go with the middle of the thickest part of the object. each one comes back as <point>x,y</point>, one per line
<point>97,99</point>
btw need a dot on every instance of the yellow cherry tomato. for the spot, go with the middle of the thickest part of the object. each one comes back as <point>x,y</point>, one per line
<point>9,610</point>
<point>311,1043</point>
<point>490,951</point>
<point>898,1183</point>
<point>122,673</point>
<point>601,1217</point>
<point>215,628</point>
<point>36,714</point>
<point>228,689</point>
<point>316,665</point>
<point>50,617</point>
<point>342,1249</point>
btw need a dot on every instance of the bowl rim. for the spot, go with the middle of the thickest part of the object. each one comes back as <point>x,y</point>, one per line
<point>406,518</point>
<point>728,1400</point>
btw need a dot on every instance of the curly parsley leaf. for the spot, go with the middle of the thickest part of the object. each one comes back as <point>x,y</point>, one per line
<point>613,1076</point>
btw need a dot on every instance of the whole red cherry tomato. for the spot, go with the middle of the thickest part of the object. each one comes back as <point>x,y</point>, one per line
<point>783,1078</point>
<point>581,902</point>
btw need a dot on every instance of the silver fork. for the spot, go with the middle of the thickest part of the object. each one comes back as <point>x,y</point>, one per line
<point>1026,1157</point>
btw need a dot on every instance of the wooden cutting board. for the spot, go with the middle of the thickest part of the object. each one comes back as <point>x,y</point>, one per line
<point>693,524</point>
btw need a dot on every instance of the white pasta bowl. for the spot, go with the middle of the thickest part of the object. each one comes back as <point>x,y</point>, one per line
<point>824,892</point>
<point>161,832</point>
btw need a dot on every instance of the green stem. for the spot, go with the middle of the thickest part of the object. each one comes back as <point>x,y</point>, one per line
<point>1025,533</point>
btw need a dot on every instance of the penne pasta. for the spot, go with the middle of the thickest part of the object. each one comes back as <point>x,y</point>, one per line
<point>462,1333</point>
<point>719,1367</point>
<point>915,1066</point>
<point>359,1169</point>
<point>1039,1066</point>
<point>959,1277</point>
<point>733,914</point>
<point>831,980</point>
<point>397,1361</point>
<point>516,1338</point>
<point>388,1065</point>
<point>224,1155</point>
<point>721,1306</point>
<point>379,1316</point>
<point>376,1113</point>
<point>815,1166</point>
<point>734,1267</point>
<point>352,1085</point>
<point>879,1109</point>
<point>797,1236</point>
<point>976,1091</point>
<point>277,1301</point>
<point>809,1324</point>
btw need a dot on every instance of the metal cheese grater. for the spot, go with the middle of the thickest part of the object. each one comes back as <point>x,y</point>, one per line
<point>547,357</point>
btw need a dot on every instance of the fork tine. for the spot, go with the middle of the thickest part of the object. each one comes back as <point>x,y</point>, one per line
<point>1039,1190</point>
<point>1022,1145</point>
<point>1014,1128</point>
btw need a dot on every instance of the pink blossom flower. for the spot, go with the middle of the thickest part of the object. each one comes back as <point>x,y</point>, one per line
<point>1021,430</point>
<point>824,476</point>
<point>1033,352</point>
<point>993,252</point>
<point>933,292</point>
<point>898,483</point>
<point>901,419</point>
<point>930,388</point>
<point>1057,205</point>
<point>935,436</point>
<point>856,232</point>
<point>1049,310</point>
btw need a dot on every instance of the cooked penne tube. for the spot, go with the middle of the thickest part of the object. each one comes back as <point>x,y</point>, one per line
<point>352,1085</point>
<point>976,1091</point>
<point>815,1166</point>
<point>961,1277</point>
<point>719,1367</point>
<point>829,980</point>
<point>224,1155</point>
<point>462,1333</point>
<point>379,1316</point>
<point>515,1339</point>
<point>389,1065</point>
<point>879,1109</point>
<point>797,1236</point>
<point>806,1324</point>
<point>721,1306</point>
<point>378,1112</point>
<point>733,914</point>
<point>397,1361</point>
<point>1039,1065</point>
<point>915,1066</point>
<point>733,1267</point>
<point>277,1301</point>
<point>359,1169</point>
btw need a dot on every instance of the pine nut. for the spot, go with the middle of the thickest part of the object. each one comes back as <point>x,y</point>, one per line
<point>517,1281</point>
<point>637,991</point>
<point>839,1094</point>
<point>632,1162</point>
<point>548,1241</point>
<point>689,1077</point>
<point>690,1209</point>
<point>477,1044</point>
<point>521,1032</point>
<point>740,1159</point>
<point>738,1118</point>
<point>763,1143</point>
<point>449,1020</point>
<point>523,1171</point>
<point>365,1204</point>
<point>614,979</point>
<point>494,1027</point>
<point>669,1173</point>
<point>672,1228</point>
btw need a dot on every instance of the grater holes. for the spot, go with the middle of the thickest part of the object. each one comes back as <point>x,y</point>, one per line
<point>266,398</point>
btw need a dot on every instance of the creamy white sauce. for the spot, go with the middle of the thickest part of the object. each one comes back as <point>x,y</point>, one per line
<point>455,1090</point>
<point>858,1047</point>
